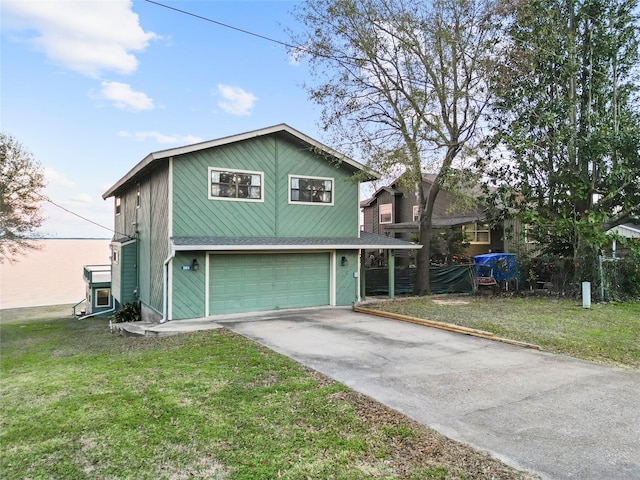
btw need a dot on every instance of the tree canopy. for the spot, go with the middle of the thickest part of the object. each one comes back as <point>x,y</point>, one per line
<point>404,84</point>
<point>567,120</point>
<point>21,179</point>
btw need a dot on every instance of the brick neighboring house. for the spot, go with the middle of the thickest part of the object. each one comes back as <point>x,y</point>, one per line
<point>392,211</point>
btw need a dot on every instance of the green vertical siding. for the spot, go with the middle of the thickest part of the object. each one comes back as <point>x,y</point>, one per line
<point>128,272</point>
<point>152,220</point>
<point>188,300</point>
<point>194,214</point>
<point>124,273</point>
<point>123,224</point>
<point>159,234</point>
<point>144,234</point>
<point>346,285</point>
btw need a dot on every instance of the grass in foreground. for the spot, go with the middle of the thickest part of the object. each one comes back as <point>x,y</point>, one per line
<point>606,333</point>
<point>78,402</point>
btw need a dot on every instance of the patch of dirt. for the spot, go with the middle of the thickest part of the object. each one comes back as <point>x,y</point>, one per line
<point>450,301</point>
<point>414,446</point>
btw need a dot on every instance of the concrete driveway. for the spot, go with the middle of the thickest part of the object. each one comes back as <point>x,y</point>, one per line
<point>558,417</point>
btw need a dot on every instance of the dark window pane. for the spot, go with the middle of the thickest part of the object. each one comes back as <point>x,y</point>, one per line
<point>236,185</point>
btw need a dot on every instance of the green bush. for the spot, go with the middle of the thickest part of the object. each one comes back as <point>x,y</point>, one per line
<point>129,312</point>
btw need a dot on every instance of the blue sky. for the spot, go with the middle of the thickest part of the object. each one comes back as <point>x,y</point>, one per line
<point>92,87</point>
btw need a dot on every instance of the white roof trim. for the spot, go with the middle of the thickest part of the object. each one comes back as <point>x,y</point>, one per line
<point>621,230</point>
<point>258,247</point>
<point>162,154</point>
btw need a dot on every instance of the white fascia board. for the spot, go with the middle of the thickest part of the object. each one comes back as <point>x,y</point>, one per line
<point>211,248</point>
<point>122,244</point>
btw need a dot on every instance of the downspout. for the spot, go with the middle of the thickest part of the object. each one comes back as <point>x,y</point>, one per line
<point>165,285</point>
<point>100,313</point>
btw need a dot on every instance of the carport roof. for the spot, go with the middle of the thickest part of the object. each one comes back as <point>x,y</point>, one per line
<point>365,241</point>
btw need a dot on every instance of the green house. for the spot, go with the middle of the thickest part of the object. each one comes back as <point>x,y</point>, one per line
<point>263,220</point>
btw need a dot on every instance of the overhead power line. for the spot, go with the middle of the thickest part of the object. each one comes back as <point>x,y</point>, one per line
<point>47,199</point>
<point>297,48</point>
<point>206,19</point>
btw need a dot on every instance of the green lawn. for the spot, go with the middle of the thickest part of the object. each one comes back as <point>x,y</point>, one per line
<point>78,402</point>
<point>606,333</point>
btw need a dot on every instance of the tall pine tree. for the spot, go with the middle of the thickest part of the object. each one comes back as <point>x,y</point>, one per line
<point>565,156</point>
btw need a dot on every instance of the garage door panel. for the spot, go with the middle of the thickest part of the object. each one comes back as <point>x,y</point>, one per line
<point>242,283</point>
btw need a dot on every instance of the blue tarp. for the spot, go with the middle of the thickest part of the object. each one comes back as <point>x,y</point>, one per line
<point>503,265</point>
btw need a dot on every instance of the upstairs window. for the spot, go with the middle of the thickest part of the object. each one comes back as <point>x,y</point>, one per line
<point>241,185</point>
<point>118,205</point>
<point>138,197</point>
<point>477,233</point>
<point>416,213</point>
<point>386,213</point>
<point>313,190</point>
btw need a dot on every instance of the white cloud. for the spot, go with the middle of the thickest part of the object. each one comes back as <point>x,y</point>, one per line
<point>81,199</point>
<point>161,137</point>
<point>123,96</point>
<point>86,36</point>
<point>235,100</point>
<point>56,178</point>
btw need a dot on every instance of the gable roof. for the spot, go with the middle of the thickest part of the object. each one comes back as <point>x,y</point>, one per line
<point>154,158</point>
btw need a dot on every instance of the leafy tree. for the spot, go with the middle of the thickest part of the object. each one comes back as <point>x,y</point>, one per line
<point>567,120</point>
<point>402,83</point>
<point>21,179</point>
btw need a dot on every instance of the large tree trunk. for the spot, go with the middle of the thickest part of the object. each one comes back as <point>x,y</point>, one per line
<point>423,285</point>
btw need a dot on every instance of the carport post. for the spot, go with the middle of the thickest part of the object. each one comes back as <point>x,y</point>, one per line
<point>362,274</point>
<point>392,274</point>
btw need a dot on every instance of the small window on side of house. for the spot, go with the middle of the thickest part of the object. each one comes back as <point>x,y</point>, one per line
<point>118,205</point>
<point>238,185</point>
<point>103,297</point>
<point>310,190</point>
<point>386,213</point>
<point>115,257</point>
<point>416,213</point>
<point>138,197</point>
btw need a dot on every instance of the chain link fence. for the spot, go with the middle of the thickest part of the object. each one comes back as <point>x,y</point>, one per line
<point>612,279</point>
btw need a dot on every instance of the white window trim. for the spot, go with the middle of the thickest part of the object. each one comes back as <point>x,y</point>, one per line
<point>95,298</point>
<point>474,232</point>
<point>333,190</point>
<point>416,213</point>
<point>115,255</point>
<point>118,206</point>
<point>380,213</point>
<point>233,199</point>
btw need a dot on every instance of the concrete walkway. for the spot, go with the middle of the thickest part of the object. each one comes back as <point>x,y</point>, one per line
<point>552,415</point>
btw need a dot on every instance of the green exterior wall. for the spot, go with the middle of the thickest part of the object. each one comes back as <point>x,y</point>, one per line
<point>346,285</point>
<point>194,214</point>
<point>188,293</point>
<point>176,190</point>
<point>152,219</point>
<point>124,274</point>
<point>129,280</point>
